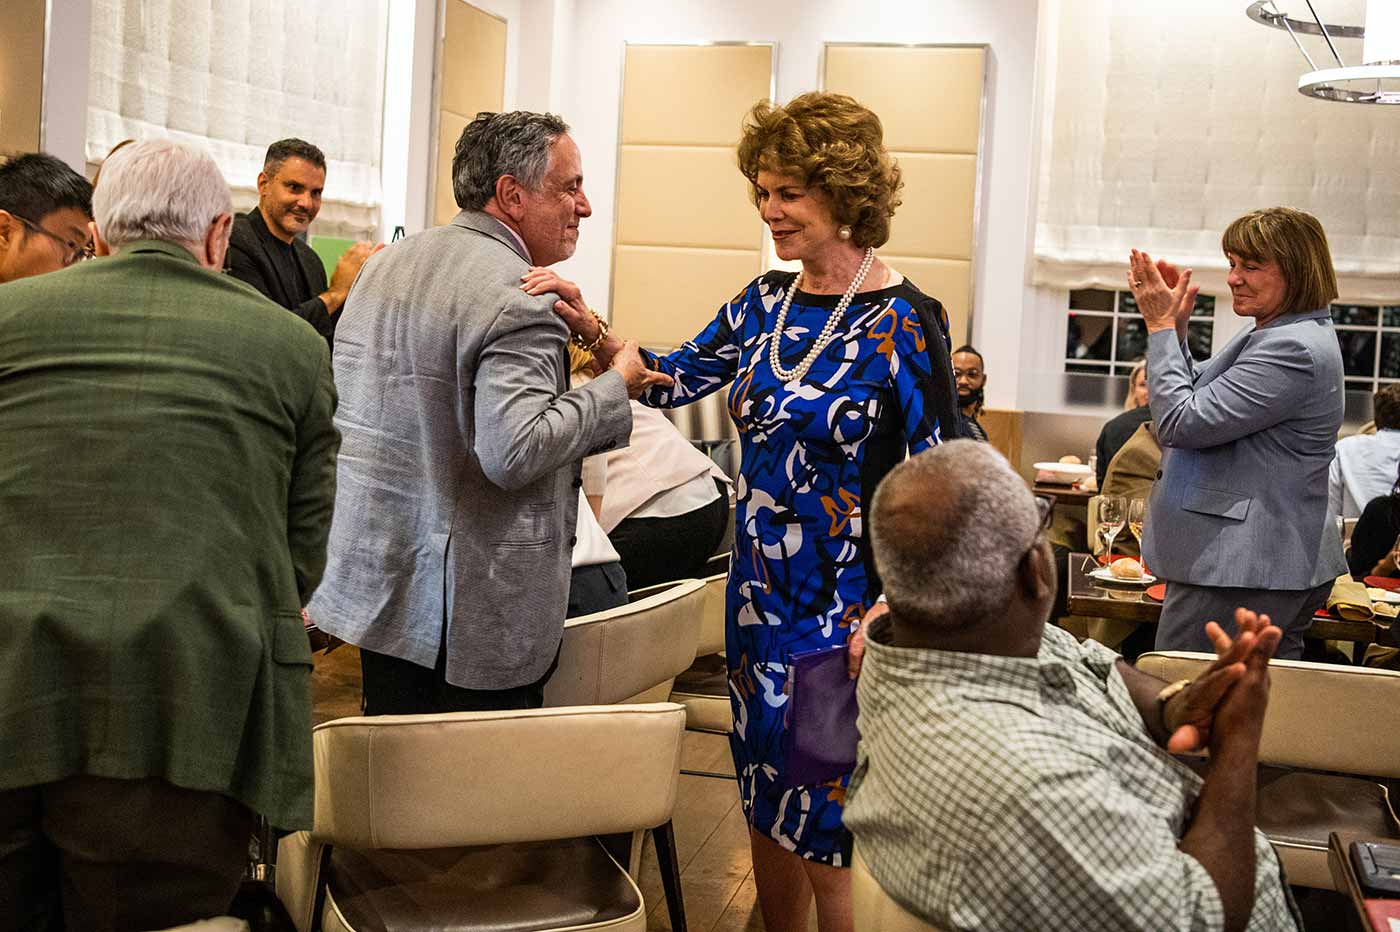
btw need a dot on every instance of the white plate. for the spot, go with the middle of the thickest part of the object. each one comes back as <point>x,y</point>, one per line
<point>1383,595</point>
<point>1068,471</point>
<point>1104,574</point>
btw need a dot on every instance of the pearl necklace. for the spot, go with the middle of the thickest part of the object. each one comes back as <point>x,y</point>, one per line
<point>828,331</point>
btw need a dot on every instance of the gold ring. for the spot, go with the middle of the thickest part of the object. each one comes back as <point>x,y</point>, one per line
<point>1136,283</point>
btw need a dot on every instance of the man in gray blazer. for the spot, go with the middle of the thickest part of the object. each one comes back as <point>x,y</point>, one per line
<point>1238,516</point>
<point>457,486</point>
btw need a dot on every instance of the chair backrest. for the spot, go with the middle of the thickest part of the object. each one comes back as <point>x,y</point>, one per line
<point>483,778</point>
<point>712,625</point>
<point>875,910</point>
<point>611,656</point>
<point>1321,716</point>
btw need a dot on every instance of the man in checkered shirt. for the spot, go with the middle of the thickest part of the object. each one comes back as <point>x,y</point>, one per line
<point>1012,778</point>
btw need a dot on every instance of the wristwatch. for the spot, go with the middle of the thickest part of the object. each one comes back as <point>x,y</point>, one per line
<point>1170,691</point>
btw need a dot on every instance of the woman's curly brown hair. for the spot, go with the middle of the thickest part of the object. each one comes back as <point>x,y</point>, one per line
<point>833,144</point>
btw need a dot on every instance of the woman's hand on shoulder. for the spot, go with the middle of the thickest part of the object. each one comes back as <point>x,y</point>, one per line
<point>538,281</point>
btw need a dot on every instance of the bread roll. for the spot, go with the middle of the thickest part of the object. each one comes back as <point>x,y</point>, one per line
<point>1071,460</point>
<point>1126,568</point>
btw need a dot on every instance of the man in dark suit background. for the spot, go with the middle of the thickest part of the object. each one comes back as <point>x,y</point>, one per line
<point>266,250</point>
<point>167,461</point>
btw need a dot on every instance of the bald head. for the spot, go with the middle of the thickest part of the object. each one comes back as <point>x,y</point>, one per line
<point>949,528</point>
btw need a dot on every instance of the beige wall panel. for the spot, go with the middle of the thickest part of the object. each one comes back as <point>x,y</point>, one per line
<point>663,297</point>
<point>936,217</point>
<point>929,99</point>
<point>692,95</point>
<point>473,61</point>
<point>450,126</point>
<point>21,74</point>
<point>948,280</point>
<point>715,212</point>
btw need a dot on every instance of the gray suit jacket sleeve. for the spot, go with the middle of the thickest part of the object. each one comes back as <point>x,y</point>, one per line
<point>524,430</point>
<point>311,494</point>
<point>1260,390</point>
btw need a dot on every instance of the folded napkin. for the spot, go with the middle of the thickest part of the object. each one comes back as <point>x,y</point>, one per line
<point>1348,600</point>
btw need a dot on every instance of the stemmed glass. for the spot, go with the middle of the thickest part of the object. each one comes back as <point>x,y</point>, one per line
<point>1137,513</point>
<point>1113,512</point>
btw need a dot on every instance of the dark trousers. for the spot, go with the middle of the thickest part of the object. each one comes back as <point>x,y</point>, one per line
<point>92,854</point>
<point>596,588</point>
<point>399,687</point>
<point>1187,609</point>
<point>657,550</point>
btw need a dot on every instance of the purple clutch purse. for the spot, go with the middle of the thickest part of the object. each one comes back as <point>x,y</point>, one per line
<point>819,740</point>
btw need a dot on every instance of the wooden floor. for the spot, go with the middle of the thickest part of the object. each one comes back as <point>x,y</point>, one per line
<point>711,837</point>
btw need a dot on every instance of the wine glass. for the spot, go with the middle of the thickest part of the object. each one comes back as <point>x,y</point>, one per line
<point>1113,512</point>
<point>1137,513</point>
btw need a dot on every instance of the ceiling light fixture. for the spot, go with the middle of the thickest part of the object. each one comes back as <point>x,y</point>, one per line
<point>1375,81</point>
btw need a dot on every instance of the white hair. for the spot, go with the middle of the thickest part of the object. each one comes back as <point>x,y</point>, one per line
<point>159,190</point>
<point>960,520</point>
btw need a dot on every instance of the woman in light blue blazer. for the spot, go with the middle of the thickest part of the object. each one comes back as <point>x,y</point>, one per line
<point>1238,516</point>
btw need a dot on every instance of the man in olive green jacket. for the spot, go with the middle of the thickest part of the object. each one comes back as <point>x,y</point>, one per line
<point>166,484</point>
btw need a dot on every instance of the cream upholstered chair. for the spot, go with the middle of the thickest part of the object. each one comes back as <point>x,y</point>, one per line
<point>874,909</point>
<point>630,653</point>
<point>704,688</point>
<point>1331,743</point>
<point>481,820</point>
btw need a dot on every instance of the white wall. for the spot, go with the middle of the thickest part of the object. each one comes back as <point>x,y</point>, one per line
<point>1009,27</point>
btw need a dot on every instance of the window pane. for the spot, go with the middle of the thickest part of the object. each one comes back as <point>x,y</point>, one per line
<point>1198,337</point>
<point>1091,299</point>
<point>1390,316</point>
<point>1089,337</point>
<point>1205,306</point>
<point>1390,356</point>
<point>1359,314</point>
<point>1127,304</point>
<point>1132,339</point>
<point>1358,352</point>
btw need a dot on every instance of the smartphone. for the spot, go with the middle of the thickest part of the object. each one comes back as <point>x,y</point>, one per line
<point>1377,867</point>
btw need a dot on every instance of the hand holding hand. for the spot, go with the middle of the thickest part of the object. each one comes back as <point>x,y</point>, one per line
<point>628,362</point>
<point>1164,294</point>
<point>1191,716</point>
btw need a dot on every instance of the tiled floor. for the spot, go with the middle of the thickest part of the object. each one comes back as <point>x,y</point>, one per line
<point>711,838</point>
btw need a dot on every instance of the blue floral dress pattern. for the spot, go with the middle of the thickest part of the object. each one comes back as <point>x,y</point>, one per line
<point>812,452</point>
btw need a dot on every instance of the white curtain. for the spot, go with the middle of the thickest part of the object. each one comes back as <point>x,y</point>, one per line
<point>1168,120</point>
<point>233,76</point>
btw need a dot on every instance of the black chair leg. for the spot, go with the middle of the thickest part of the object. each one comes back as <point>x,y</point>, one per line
<point>665,838</point>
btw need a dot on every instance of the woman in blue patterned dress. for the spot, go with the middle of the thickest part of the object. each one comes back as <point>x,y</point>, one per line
<point>859,375</point>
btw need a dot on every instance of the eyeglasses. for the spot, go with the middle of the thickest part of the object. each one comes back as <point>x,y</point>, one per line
<point>1045,504</point>
<point>72,252</point>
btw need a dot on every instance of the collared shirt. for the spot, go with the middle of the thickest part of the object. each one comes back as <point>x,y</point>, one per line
<point>1025,793</point>
<point>1363,469</point>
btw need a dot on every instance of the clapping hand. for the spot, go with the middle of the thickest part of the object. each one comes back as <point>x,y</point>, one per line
<point>1164,294</point>
<point>1190,716</point>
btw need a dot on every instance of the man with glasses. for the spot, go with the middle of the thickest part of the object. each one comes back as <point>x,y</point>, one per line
<point>45,209</point>
<point>1010,777</point>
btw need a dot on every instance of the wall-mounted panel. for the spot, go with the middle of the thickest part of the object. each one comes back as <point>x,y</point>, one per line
<point>686,235</point>
<point>930,103</point>
<point>471,77</point>
<point>672,294</point>
<point>21,75</point>
<point>684,196</point>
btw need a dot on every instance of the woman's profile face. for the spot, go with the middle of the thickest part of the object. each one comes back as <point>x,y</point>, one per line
<point>1139,388</point>
<point>1258,287</point>
<point>799,217</point>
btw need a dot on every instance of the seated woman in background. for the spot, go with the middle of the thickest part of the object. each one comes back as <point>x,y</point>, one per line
<point>666,505</point>
<point>597,581</point>
<point>1373,542</point>
<point>1117,431</point>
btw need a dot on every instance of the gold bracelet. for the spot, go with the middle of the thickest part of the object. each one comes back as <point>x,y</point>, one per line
<point>598,341</point>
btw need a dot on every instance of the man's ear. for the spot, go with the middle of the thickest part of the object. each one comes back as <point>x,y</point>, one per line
<point>263,182</point>
<point>100,246</point>
<point>216,242</point>
<point>9,227</point>
<point>510,195</point>
<point>1037,571</point>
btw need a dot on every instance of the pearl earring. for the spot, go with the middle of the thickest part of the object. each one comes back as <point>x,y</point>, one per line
<point>844,232</point>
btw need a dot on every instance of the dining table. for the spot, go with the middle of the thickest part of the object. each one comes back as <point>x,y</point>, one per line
<point>1065,495</point>
<point>1091,598</point>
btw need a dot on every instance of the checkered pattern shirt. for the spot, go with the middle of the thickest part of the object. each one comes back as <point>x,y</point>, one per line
<point>1025,793</point>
